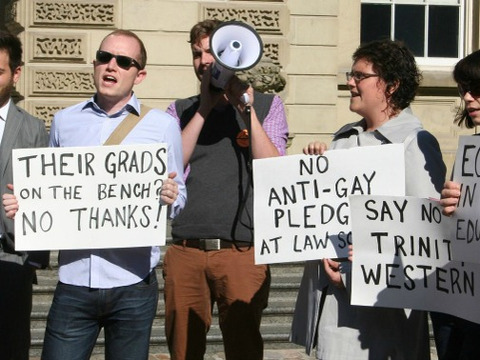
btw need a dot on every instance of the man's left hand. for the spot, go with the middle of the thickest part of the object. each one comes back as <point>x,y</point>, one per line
<point>169,192</point>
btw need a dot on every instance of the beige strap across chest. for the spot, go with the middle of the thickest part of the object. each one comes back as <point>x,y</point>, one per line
<point>122,130</point>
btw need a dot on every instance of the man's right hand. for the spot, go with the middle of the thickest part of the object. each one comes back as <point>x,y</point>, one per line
<point>209,96</point>
<point>315,148</point>
<point>10,203</point>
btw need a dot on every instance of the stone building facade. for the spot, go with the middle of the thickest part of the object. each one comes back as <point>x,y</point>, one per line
<point>307,50</point>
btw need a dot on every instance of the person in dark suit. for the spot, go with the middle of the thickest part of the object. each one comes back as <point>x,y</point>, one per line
<point>18,129</point>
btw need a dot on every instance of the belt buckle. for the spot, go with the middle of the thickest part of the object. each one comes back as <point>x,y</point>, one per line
<point>210,244</point>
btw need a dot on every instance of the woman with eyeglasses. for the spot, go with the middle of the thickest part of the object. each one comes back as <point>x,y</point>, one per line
<point>456,338</point>
<point>382,83</point>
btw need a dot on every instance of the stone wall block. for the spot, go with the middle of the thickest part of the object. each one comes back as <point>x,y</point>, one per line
<point>313,8</point>
<point>159,15</point>
<point>168,83</point>
<point>309,90</point>
<point>320,30</point>
<point>308,119</point>
<point>167,49</point>
<point>312,60</point>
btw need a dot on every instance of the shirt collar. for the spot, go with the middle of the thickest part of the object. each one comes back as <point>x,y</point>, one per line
<point>395,130</point>
<point>4,110</point>
<point>132,106</point>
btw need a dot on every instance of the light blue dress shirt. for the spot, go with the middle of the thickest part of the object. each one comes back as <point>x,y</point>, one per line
<point>85,124</point>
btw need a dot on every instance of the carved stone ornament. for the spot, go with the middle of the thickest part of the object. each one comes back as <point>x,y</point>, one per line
<point>266,79</point>
<point>46,112</point>
<point>54,82</point>
<point>11,17</point>
<point>263,20</point>
<point>74,13</point>
<point>59,47</point>
<point>271,52</point>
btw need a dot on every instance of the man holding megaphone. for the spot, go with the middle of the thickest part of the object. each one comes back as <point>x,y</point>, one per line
<point>212,257</point>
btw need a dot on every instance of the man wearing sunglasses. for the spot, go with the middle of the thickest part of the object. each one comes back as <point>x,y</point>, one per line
<point>212,256</point>
<point>113,289</point>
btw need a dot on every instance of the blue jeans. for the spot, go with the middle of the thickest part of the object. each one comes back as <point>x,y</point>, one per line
<point>78,313</point>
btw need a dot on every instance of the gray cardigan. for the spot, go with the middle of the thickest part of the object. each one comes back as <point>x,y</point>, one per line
<point>342,331</point>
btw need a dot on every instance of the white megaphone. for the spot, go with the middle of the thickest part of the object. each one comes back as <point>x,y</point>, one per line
<point>235,46</point>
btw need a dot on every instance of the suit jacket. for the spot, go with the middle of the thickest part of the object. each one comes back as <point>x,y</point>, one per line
<point>22,130</point>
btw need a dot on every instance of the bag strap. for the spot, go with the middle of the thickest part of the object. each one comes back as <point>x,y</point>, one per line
<point>122,130</point>
<point>411,136</point>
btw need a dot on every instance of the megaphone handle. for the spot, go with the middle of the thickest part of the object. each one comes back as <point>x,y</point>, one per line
<point>245,99</point>
<point>248,112</point>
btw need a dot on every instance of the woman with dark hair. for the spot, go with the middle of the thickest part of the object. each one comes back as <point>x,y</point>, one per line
<point>457,338</point>
<point>467,77</point>
<point>382,83</point>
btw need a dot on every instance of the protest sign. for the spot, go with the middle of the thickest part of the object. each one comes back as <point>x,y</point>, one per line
<point>90,197</point>
<point>301,209</point>
<point>466,230</point>
<point>402,258</point>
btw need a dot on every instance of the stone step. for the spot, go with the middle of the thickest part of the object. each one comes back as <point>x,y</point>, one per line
<point>275,327</point>
<point>47,282</point>
<point>277,312</point>
<point>275,336</point>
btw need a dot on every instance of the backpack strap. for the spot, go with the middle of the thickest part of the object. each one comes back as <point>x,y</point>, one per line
<point>122,130</point>
<point>411,136</point>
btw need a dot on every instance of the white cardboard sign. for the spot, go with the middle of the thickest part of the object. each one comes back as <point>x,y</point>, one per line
<point>466,230</point>
<point>301,209</point>
<point>402,258</point>
<point>90,197</point>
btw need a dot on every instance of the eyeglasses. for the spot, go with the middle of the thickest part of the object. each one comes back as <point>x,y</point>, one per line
<point>123,61</point>
<point>358,75</point>
<point>472,89</point>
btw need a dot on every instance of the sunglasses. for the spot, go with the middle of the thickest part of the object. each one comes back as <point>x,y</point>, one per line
<point>473,89</point>
<point>123,61</point>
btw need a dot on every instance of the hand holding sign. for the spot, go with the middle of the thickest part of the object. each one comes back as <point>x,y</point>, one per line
<point>169,191</point>
<point>450,197</point>
<point>10,203</point>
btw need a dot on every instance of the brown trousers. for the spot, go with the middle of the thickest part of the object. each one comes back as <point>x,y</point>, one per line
<point>194,281</point>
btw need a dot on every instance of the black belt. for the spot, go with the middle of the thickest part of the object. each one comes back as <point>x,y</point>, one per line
<point>211,244</point>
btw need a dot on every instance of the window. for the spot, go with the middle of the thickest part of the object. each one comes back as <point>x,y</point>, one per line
<point>432,29</point>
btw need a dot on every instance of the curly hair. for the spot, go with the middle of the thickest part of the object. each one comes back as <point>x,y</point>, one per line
<point>466,73</point>
<point>202,29</point>
<point>395,64</point>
